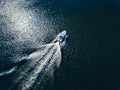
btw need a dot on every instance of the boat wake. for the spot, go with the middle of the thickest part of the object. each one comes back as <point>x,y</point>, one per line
<point>37,66</point>
<point>7,72</point>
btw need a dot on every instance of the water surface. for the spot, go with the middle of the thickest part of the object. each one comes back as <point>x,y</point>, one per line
<point>90,59</point>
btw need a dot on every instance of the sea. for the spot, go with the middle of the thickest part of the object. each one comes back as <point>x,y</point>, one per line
<point>91,56</point>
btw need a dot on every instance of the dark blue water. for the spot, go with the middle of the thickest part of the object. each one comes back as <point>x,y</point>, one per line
<point>90,59</point>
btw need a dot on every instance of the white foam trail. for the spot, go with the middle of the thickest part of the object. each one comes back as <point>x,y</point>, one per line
<point>41,61</point>
<point>49,70</point>
<point>8,71</point>
<point>30,80</point>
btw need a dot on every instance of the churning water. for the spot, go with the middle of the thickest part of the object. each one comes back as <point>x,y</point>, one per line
<point>41,63</point>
